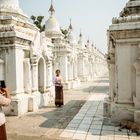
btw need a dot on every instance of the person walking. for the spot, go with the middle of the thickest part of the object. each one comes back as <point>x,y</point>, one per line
<point>5,100</point>
<point>58,89</point>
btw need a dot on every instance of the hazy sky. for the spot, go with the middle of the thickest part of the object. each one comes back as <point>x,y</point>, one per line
<point>92,16</point>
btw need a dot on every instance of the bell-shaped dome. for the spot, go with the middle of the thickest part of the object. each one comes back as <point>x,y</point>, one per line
<point>11,7</point>
<point>52,28</point>
<point>52,25</point>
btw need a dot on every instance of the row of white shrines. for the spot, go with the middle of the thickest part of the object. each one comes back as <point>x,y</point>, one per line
<point>28,58</point>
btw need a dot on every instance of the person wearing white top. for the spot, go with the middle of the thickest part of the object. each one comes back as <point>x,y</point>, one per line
<point>5,100</point>
<point>58,89</point>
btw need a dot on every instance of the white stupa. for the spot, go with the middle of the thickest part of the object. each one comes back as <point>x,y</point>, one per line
<point>81,41</point>
<point>11,7</point>
<point>71,36</point>
<point>52,27</point>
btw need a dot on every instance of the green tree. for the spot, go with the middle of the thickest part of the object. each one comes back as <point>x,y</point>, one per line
<point>38,22</point>
<point>64,32</point>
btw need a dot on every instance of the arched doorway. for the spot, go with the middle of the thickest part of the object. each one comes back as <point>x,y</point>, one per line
<point>41,75</point>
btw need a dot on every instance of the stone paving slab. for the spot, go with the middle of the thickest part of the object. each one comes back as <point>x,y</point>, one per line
<point>93,137</point>
<point>96,127</point>
<point>106,137</point>
<point>79,136</point>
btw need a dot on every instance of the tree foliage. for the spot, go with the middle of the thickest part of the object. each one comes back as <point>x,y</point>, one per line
<point>64,32</point>
<point>37,20</point>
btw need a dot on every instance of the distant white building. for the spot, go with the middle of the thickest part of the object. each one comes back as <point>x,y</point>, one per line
<point>28,58</point>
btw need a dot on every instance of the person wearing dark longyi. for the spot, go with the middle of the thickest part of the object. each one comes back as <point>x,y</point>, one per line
<point>58,89</point>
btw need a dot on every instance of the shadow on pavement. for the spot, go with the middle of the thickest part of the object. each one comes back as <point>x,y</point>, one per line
<point>60,117</point>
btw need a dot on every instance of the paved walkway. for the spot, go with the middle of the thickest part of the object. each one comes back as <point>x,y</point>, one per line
<point>88,123</point>
<point>81,118</point>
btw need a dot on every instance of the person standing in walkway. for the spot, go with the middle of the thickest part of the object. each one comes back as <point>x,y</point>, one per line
<point>5,100</point>
<point>58,89</point>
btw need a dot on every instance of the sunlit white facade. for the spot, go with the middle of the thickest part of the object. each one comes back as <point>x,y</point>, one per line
<point>28,58</point>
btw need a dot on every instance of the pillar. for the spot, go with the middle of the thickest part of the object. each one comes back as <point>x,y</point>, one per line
<point>137,97</point>
<point>64,68</point>
<point>27,76</point>
<point>15,81</point>
<point>112,81</point>
<point>14,71</point>
<point>49,73</point>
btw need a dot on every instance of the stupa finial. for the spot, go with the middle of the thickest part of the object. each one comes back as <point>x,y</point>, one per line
<point>51,9</point>
<point>80,33</point>
<point>70,26</point>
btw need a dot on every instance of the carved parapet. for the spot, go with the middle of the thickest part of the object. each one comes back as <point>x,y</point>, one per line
<point>24,42</point>
<point>125,12</point>
<point>7,41</point>
<point>131,8</point>
<point>62,48</point>
<point>24,30</point>
<point>6,28</point>
<point>11,27</point>
<point>130,18</point>
<point>54,34</point>
<point>126,32</point>
<point>12,41</point>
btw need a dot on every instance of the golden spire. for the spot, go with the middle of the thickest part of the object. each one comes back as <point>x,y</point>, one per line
<point>51,10</point>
